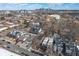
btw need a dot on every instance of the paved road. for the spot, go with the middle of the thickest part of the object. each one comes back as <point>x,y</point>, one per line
<point>16,49</point>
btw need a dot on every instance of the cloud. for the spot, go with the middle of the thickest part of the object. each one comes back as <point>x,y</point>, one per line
<point>56,6</point>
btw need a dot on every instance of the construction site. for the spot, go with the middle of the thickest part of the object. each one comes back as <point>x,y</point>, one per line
<point>40,32</point>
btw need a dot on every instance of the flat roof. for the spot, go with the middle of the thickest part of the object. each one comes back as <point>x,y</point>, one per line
<point>4,52</point>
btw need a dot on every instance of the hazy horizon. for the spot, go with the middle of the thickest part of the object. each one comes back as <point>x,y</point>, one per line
<point>32,6</point>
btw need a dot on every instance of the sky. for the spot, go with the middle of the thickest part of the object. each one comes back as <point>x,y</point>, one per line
<point>32,6</point>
